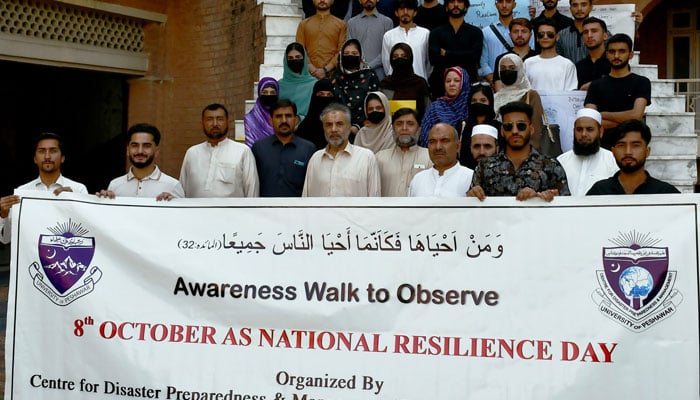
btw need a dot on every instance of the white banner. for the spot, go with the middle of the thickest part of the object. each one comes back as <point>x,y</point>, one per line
<point>300,299</point>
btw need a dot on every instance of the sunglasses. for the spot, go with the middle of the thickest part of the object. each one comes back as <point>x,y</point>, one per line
<point>550,35</point>
<point>508,126</point>
<point>475,84</point>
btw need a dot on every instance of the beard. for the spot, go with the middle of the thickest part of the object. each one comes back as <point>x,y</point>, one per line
<point>141,164</point>
<point>215,133</point>
<point>405,141</point>
<point>624,65</point>
<point>587,149</point>
<point>628,169</point>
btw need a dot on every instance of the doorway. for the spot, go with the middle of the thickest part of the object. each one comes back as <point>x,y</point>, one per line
<point>87,108</point>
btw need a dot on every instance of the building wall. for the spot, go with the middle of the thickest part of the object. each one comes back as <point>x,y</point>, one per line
<point>207,52</point>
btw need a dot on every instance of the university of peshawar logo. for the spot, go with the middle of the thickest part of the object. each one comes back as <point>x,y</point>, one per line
<point>636,288</point>
<point>65,259</point>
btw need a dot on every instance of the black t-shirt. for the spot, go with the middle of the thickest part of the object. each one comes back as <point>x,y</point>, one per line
<point>612,186</point>
<point>588,71</point>
<point>618,94</point>
<point>431,18</point>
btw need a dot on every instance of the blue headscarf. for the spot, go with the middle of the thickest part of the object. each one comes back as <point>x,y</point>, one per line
<point>446,109</point>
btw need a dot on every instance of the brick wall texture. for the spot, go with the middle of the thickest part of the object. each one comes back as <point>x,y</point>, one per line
<point>207,52</point>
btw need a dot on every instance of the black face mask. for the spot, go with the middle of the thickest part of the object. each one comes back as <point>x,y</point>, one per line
<point>480,109</point>
<point>508,77</point>
<point>295,65</point>
<point>351,62</point>
<point>268,100</point>
<point>376,117</point>
<point>400,64</point>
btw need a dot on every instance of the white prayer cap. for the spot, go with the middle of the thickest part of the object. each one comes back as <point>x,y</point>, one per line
<point>484,129</point>
<point>590,113</point>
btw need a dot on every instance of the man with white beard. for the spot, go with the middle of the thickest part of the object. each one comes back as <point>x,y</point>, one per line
<point>587,163</point>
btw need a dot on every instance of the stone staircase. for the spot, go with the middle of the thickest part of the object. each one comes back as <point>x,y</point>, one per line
<point>281,20</point>
<point>674,143</point>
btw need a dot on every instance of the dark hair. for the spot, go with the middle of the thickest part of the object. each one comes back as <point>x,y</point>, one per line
<point>282,103</point>
<point>516,106</point>
<point>295,46</point>
<point>144,128</point>
<point>353,42</point>
<point>214,107</point>
<point>547,22</point>
<point>410,4</point>
<point>631,125</point>
<point>404,111</point>
<point>406,49</point>
<point>520,21</point>
<point>620,38</point>
<point>372,96</point>
<point>594,20</point>
<point>479,88</point>
<point>49,135</point>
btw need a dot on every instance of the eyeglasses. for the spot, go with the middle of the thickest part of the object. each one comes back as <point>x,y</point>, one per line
<point>549,34</point>
<point>508,126</point>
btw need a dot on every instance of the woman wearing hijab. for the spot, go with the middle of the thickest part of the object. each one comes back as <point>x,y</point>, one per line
<point>352,80</point>
<point>403,83</point>
<point>297,83</point>
<point>257,121</point>
<point>516,87</point>
<point>378,133</point>
<point>450,108</point>
<point>480,112</point>
<point>311,128</point>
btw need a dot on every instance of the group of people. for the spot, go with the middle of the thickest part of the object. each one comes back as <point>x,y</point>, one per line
<point>326,128</point>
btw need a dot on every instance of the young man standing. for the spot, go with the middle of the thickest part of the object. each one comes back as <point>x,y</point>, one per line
<point>549,70</point>
<point>48,157</point>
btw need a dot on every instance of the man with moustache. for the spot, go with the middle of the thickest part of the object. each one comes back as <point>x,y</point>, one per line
<point>631,150</point>
<point>484,142</point>
<point>398,165</point>
<point>456,43</point>
<point>144,178</point>
<point>218,167</point>
<point>520,34</point>
<point>520,170</point>
<point>595,65</point>
<point>48,157</point>
<point>587,163</point>
<point>620,95</point>
<point>410,33</point>
<point>367,27</point>
<point>282,158</point>
<point>447,178</point>
<point>322,35</point>
<point>341,169</point>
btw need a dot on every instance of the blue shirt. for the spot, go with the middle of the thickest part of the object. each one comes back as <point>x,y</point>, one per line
<point>493,47</point>
<point>282,167</point>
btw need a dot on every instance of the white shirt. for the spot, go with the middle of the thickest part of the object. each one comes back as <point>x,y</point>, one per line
<point>417,38</point>
<point>353,172</point>
<point>454,182</point>
<point>583,171</point>
<point>225,170</point>
<point>151,186</point>
<point>37,184</point>
<point>557,73</point>
<point>397,168</point>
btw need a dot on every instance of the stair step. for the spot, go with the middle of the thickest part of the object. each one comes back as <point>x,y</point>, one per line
<point>677,145</point>
<point>281,25</point>
<point>280,40</point>
<point>281,9</point>
<point>273,55</point>
<point>664,103</point>
<point>662,87</point>
<point>272,70</point>
<point>670,123</point>
<point>650,71</point>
